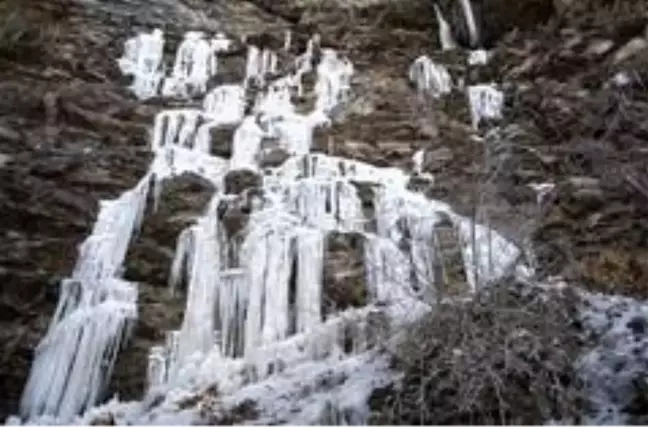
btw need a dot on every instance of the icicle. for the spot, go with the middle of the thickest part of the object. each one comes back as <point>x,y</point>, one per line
<point>232,297</point>
<point>221,43</point>
<point>310,256</point>
<point>184,250</point>
<point>175,128</point>
<point>445,32</point>
<point>157,364</point>
<point>333,80</point>
<point>469,15</point>
<point>478,57</point>
<point>486,102</point>
<point>287,40</point>
<point>295,131</point>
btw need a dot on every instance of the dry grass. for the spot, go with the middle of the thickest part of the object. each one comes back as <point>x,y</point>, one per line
<point>505,357</point>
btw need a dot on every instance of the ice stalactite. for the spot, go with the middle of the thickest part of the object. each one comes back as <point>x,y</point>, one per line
<point>471,23</point>
<point>445,31</point>
<point>142,60</point>
<point>287,40</point>
<point>429,77</point>
<point>231,309</point>
<point>74,360</point>
<point>327,204</point>
<point>182,260</point>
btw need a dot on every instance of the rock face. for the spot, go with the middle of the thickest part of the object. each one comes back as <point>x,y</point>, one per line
<point>344,283</point>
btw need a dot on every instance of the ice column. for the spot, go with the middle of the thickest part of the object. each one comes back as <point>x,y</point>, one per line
<point>267,254</point>
<point>445,32</point>
<point>196,336</point>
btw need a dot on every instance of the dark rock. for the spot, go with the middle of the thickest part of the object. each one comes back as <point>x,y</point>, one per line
<point>638,325</point>
<point>273,158</point>
<point>238,181</point>
<point>221,140</point>
<point>344,282</point>
<point>434,160</point>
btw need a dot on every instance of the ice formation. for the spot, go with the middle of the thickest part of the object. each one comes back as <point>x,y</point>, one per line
<point>195,63</point>
<point>486,102</point>
<point>430,77</point>
<point>469,16</point>
<point>96,308</point>
<point>445,31</point>
<point>143,61</point>
<point>253,319</point>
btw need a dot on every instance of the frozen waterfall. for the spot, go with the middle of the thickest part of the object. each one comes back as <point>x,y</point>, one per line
<point>254,305</point>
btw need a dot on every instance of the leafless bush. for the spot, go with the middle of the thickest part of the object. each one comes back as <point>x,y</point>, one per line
<point>504,357</point>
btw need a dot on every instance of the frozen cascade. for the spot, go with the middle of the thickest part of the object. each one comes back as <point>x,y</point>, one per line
<point>75,358</point>
<point>195,63</point>
<point>253,318</point>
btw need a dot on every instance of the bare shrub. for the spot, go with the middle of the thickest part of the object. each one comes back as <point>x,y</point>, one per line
<point>506,356</point>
